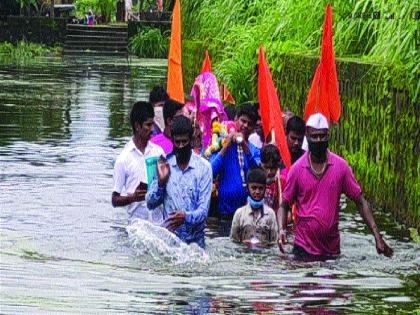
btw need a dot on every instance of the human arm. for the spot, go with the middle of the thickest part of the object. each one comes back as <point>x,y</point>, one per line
<point>155,195</point>
<point>289,197</point>
<point>273,225</point>
<point>119,177</point>
<point>217,158</point>
<point>252,154</point>
<point>352,190</point>
<point>122,201</point>
<point>235,231</point>
<point>282,224</point>
<point>366,213</point>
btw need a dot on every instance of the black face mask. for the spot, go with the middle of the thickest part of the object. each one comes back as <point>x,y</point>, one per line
<point>318,149</point>
<point>183,154</point>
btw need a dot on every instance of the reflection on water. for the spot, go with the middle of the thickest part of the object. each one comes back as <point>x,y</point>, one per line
<point>65,249</point>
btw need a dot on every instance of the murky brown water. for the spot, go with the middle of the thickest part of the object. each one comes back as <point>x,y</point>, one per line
<point>62,124</point>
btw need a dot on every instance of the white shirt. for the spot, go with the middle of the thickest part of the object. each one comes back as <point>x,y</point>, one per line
<point>129,170</point>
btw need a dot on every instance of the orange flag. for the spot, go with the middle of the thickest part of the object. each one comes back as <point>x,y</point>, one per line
<point>225,94</point>
<point>174,85</point>
<point>323,96</point>
<point>271,114</point>
<point>206,67</point>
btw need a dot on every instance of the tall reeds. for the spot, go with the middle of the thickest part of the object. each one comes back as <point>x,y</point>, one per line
<point>375,31</point>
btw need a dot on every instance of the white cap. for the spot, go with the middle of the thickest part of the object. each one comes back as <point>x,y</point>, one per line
<point>317,121</point>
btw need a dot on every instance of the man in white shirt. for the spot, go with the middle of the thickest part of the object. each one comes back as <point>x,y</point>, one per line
<point>130,169</point>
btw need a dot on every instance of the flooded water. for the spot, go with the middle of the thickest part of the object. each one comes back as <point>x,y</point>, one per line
<point>64,249</point>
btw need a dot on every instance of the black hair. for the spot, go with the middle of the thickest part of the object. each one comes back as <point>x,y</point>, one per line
<point>256,175</point>
<point>230,112</point>
<point>182,125</point>
<point>158,94</point>
<point>270,154</point>
<point>256,109</point>
<point>141,112</point>
<point>247,109</point>
<point>170,108</point>
<point>296,124</point>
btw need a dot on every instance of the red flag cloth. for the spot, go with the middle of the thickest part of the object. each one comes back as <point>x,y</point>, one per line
<point>225,94</point>
<point>206,67</point>
<point>271,114</point>
<point>324,96</point>
<point>174,85</point>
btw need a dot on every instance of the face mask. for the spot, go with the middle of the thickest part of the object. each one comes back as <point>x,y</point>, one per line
<point>318,149</point>
<point>183,154</point>
<point>255,204</point>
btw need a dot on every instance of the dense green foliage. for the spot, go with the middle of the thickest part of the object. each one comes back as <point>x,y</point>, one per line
<point>38,6</point>
<point>150,43</point>
<point>377,65</point>
<point>107,8</point>
<point>24,51</point>
<point>296,26</point>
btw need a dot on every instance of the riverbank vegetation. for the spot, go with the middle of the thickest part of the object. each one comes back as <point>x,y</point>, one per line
<point>106,8</point>
<point>377,65</point>
<point>24,51</point>
<point>365,31</point>
<point>150,43</point>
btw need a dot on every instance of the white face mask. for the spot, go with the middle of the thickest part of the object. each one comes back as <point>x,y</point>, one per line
<point>159,117</point>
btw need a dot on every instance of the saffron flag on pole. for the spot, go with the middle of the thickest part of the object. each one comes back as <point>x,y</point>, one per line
<point>206,67</point>
<point>324,96</point>
<point>174,85</point>
<point>225,94</point>
<point>271,114</point>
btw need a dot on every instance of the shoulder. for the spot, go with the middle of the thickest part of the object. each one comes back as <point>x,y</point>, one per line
<point>156,149</point>
<point>171,158</point>
<point>269,211</point>
<point>339,161</point>
<point>122,157</point>
<point>297,167</point>
<point>240,211</point>
<point>201,162</point>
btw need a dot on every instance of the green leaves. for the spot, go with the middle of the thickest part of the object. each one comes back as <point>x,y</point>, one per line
<point>150,43</point>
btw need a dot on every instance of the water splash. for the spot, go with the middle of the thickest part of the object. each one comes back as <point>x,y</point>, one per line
<point>162,245</point>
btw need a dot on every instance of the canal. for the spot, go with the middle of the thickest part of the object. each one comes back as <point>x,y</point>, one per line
<point>65,249</point>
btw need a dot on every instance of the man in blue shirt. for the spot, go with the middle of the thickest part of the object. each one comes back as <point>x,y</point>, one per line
<point>183,185</point>
<point>231,164</point>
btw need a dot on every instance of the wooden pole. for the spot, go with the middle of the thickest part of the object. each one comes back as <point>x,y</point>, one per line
<point>273,141</point>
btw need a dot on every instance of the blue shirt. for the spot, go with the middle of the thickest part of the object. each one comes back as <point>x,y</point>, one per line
<point>187,190</point>
<point>232,194</point>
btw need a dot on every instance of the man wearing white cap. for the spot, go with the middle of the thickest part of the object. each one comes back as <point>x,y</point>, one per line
<point>315,183</point>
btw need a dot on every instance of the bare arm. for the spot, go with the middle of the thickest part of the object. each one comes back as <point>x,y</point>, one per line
<point>121,201</point>
<point>282,223</point>
<point>364,210</point>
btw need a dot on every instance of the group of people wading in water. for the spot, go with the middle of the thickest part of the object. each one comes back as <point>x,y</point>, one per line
<point>168,175</point>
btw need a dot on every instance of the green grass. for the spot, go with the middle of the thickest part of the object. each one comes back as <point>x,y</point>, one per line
<point>24,50</point>
<point>150,43</point>
<point>233,31</point>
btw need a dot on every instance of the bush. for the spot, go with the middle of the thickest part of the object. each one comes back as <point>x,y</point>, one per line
<point>150,43</point>
<point>24,51</point>
<point>107,8</point>
<point>233,30</point>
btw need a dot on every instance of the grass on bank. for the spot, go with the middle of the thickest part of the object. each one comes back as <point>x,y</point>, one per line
<point>371,31</point>
<point>150,43</point>
<point>25,50</point>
